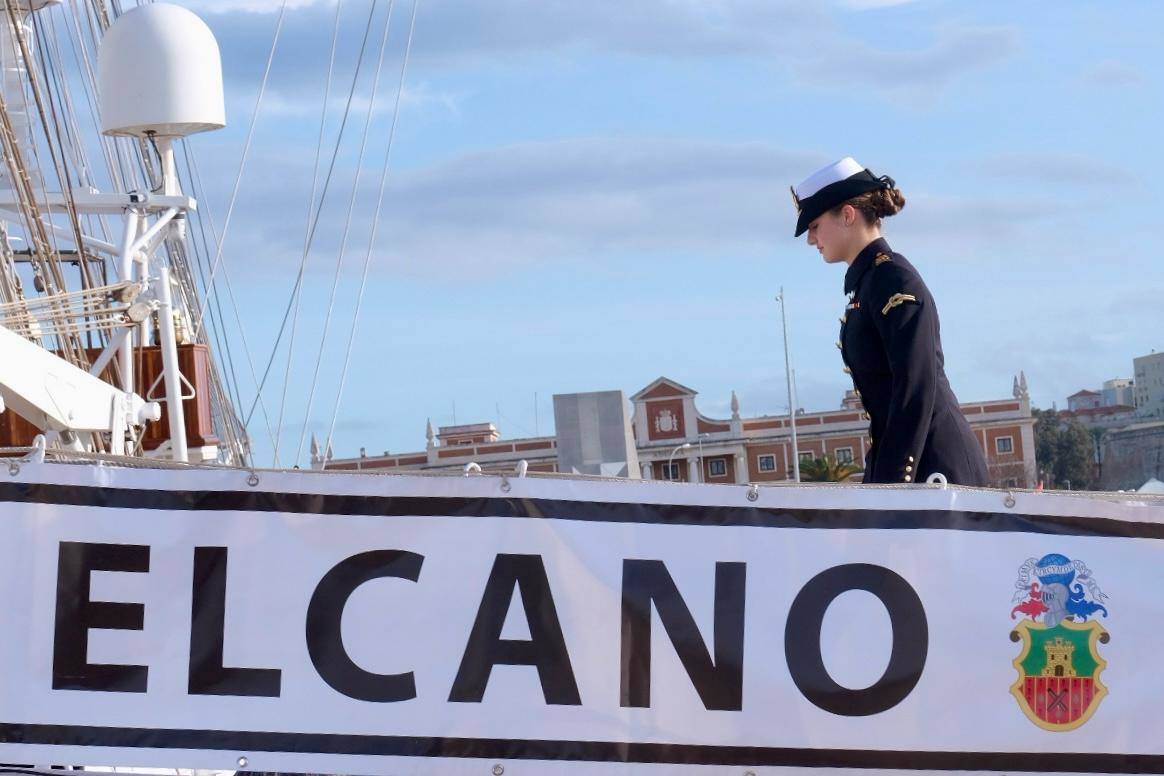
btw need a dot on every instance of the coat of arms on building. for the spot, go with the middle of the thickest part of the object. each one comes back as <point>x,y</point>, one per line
<point>666,422</point>
<point>1057,599</point>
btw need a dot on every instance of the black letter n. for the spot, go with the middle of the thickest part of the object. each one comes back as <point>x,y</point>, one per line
<point>720,684</point>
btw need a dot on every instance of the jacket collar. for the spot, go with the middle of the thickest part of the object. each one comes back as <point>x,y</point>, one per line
<point>863,261</point>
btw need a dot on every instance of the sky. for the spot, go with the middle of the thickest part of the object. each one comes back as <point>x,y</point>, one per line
<point>587,196</point>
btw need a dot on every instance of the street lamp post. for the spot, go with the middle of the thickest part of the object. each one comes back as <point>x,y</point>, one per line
<point>791,403</point>
<point>671,458</point>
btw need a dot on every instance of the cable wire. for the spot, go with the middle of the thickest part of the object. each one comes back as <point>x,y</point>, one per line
<point>243,161</point>
<point>375,224</point>
<point>296,293</point>
<point>347,228</point>
<point>319,210</point>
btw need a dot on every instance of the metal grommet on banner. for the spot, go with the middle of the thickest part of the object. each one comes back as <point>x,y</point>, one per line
<point>753,492</point>
<point>505,486</point>
<point>749,773</point>
<point>498,769</point>
<point>14,468</point>
<point>242,762</point>
<point>937,478</point>
<point>1009,501</point>
<point>253,479</point>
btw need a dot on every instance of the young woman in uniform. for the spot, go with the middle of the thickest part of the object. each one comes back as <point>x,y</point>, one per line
<point>890,339</point>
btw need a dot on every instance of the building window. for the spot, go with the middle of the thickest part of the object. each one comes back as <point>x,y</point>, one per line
<point>1004,445</point>
<point>1012,483</point>
<point>843,454</point>
<point>806,458</point>
<point>717,467</point>
<point>767,463</point>
<point>671,471</point>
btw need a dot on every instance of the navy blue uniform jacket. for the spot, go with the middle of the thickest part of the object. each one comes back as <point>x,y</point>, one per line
<point>892,348</point>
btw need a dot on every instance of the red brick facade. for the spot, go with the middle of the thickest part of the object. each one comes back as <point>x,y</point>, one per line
<point>670,431</point>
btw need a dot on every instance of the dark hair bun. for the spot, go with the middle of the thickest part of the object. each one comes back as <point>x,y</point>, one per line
<point>887,202</point>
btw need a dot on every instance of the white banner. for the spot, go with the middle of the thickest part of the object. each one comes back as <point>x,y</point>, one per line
<point>333,623</point>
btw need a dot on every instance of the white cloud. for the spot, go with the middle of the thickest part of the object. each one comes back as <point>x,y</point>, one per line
<point>505,208</point>
<point>1056,169</point>
<point>870,5</point>
<point>285,104</point>
<point>248,6</point>
<point>952,53</point>
<point>1113,73</point>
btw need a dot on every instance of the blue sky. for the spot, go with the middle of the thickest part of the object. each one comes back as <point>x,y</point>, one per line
<point>585,196</point>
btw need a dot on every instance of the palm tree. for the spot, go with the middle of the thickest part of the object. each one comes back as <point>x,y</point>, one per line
<point>826,469</point>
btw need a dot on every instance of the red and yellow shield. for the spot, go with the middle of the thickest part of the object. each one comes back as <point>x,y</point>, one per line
<point>1058,686</point>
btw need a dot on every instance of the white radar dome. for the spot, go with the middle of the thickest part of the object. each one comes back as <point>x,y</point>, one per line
<point>159,72</point>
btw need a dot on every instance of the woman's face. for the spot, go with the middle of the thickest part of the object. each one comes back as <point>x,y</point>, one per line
<point>829,235</point>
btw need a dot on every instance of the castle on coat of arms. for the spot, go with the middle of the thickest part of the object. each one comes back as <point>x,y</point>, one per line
<point>1059,652</point>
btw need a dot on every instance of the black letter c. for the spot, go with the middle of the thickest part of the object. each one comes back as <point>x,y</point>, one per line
<point>326,610</point>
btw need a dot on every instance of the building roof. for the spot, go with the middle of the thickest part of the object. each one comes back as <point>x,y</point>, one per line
<point>1084,392</point>
<point>1153,485</point>
<point>678,389</point>
<point>1111,409</point>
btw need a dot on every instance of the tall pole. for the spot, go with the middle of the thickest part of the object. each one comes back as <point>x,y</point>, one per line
<point>791,404</point>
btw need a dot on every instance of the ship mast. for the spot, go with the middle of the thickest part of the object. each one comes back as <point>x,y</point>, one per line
<point>110,356</point>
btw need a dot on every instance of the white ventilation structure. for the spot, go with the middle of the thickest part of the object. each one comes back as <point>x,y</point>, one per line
<point>160,74</point>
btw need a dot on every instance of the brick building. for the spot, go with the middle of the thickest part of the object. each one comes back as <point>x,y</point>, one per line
<point>675,441</point>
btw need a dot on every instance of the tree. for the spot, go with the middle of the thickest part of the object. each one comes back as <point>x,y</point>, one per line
<point>1076,455</point>
<point>826,469</point>
<point>1065,451</point>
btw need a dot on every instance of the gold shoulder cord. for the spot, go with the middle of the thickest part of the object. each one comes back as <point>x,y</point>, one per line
<point>895,300</point>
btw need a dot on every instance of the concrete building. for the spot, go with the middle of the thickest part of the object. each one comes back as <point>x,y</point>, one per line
<point>673,440</point>
<point>1132,455</point>
<point>1084,400</point>
<point>1149,385</point>
<point>1118,392</point>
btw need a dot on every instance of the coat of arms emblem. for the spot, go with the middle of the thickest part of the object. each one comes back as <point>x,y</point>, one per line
<point>1057,600</point>
<point>666,422</point>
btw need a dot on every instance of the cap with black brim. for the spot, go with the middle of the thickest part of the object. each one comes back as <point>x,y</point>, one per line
<point>831,186</point>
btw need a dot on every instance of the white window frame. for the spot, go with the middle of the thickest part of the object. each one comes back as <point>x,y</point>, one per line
<point>998,447</point>
<point>711,464</point>
<point>837,454</point>
<point>811,456</point>
<point>760,462</point>
<point>668,469</point>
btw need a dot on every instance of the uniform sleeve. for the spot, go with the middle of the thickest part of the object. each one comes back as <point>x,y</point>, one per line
<point>905,319</point>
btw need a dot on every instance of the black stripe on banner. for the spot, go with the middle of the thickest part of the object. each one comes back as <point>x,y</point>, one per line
<point>246,742</point>
<point>587,511</point>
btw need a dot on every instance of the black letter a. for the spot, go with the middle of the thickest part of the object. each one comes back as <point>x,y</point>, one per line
<point>546,648</point>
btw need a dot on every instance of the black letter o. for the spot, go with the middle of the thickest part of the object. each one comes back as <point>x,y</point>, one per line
<point>910,640</point>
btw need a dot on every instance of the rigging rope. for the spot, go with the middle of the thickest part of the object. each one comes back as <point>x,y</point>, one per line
<point>347,228</point>
<point>296,295</point>
<point>243,161</point>
<point>372,238</point>
<point>238,322</point>
<point>319,210</point>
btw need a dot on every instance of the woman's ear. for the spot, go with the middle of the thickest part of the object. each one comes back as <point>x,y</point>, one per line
<point>848,215</point>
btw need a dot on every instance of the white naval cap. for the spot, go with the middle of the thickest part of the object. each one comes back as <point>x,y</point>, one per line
<point>831,186</point>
